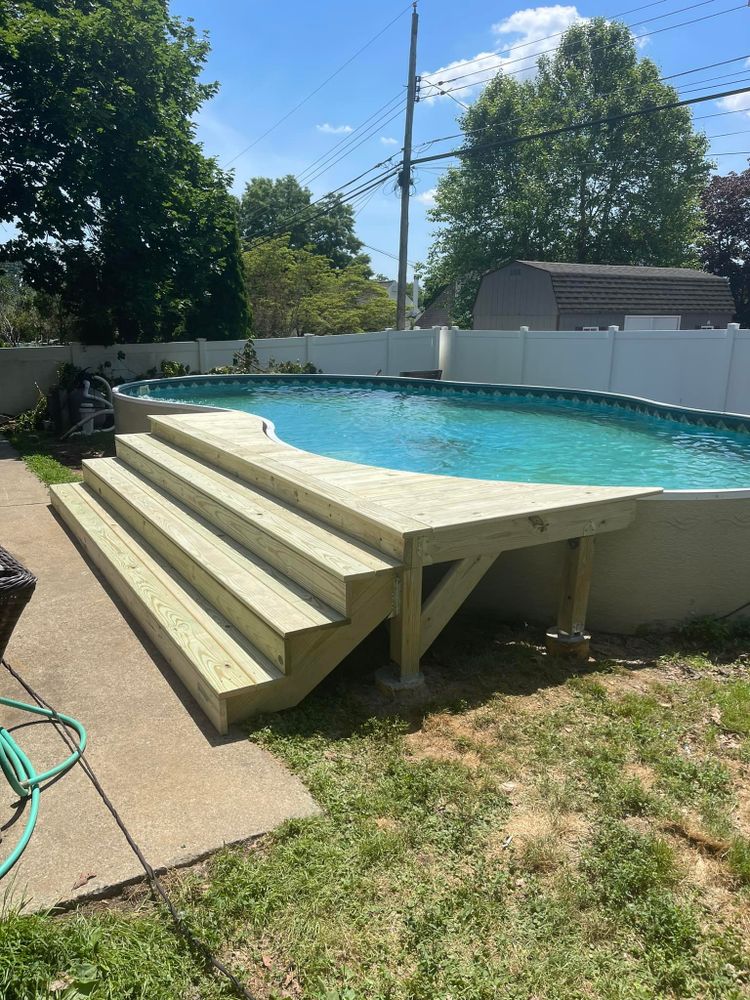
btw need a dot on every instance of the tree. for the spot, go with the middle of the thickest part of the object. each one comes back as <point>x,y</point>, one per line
<point>625,193</point>
<point>27,316</point>
<point>115,205</point>
<point>725,249</point>
<point>294,291</point>
<point>283,207</point>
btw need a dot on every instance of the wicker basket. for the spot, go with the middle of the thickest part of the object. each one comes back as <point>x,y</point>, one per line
<point>16,587</point>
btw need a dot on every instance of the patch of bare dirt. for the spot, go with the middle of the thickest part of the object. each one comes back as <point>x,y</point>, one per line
<point>642,773</point>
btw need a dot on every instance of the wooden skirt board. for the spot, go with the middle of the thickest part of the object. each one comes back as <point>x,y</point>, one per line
<point>256,567</point>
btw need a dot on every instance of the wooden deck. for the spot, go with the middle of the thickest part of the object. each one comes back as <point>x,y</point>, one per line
<point>256,567</point>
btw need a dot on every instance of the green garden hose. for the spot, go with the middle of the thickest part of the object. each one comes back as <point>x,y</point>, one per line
<point>23,778</point>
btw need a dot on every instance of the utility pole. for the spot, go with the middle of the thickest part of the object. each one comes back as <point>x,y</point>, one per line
<point>404,178</point>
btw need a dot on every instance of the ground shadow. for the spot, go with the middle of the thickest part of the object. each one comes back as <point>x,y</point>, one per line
<point>472,662</point>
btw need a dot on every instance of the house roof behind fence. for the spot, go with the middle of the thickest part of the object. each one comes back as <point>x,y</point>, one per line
<point>582,288</point>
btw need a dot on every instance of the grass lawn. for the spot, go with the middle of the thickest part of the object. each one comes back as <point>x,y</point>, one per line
<point>539,830</point>
<point>55,461</point>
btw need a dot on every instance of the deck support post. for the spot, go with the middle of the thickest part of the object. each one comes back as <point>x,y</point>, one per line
<point>405,630</point>
<point>569,637</point>
<point>417,625</point>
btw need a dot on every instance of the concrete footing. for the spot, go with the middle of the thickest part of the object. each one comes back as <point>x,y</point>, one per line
<point>390,681</point>
<point>559,643</point>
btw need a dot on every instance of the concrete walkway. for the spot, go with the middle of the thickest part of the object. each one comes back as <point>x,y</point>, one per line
<point>182,790</point>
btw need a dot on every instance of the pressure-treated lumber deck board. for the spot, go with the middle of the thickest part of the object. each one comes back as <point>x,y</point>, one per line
<point>413,503</point>
<point>224,659</point>
<point>240,554</point>
<point>284,605</point>
<point>335,551</point>
<point>233,451</point>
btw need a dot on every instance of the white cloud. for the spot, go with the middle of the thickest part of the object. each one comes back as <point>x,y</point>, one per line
<point>427,197</point>
<point>737,102</point>
<point>328,129</point>
<point>388,140</point>
<point>531,27</point>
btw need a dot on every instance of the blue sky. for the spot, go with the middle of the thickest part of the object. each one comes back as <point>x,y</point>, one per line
<point>269,56</point>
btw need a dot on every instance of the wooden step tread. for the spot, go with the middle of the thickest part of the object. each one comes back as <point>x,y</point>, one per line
<point>225,661</point>
<point>285,606</point>
<point>337,552</point>
<point>238,447</point>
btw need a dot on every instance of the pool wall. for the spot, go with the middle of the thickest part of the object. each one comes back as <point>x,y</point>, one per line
<point>686,555</point>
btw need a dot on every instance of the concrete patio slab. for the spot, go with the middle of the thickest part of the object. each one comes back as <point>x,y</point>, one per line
<point>182,790</point>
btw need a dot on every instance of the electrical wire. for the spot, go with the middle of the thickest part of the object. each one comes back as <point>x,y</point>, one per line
<point>609,45</point>
<point>535,55</point>
<point>343,199</point>
<point>593,123</point>
<point>555,34</point>
<point>383,110</point>
<point>385,253</point>
<point>320,86</point>
<point>364,139</point>
<point>522,118</point>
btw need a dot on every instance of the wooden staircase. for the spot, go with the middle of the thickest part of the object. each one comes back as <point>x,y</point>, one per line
<point>251,599</point>
<point>256,567</point>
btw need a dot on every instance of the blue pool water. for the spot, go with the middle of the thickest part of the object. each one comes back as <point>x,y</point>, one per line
<point>500,437</point>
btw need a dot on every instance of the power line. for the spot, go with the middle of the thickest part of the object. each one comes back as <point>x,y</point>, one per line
<point>343,199</point>
<point>611,93</point>
<point>593,123</point>
<point>447,93</point>
<point>386,253</point>
<point>535,55</point>
<point>721,135</point>
<point>609,45</point>
<point>546,38</point>
<point>382,110</point>
<point>318,88</point>
<point>721,114</point>
<point>364,139</point>
<point>365,202</point>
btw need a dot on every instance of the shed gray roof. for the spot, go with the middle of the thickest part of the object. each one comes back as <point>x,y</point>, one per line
<point>657,291</point>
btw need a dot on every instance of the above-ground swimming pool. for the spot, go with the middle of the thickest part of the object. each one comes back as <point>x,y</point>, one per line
<point>686,553</point>
<point>484,432</point>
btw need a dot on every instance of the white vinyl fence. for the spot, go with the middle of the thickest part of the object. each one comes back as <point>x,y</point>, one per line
<point>705,369</point>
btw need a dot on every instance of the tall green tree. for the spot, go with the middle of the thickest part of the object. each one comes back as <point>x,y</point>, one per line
<point>294,291</point>
<point>626,193</point>
<point>279,207</point>
<point>725,248</point>
<point>115,204</point>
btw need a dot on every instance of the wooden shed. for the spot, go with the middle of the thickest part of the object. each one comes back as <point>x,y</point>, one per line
<point>548,295</point>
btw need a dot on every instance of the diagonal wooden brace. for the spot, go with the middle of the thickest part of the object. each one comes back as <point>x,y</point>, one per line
<point>418,624</point>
